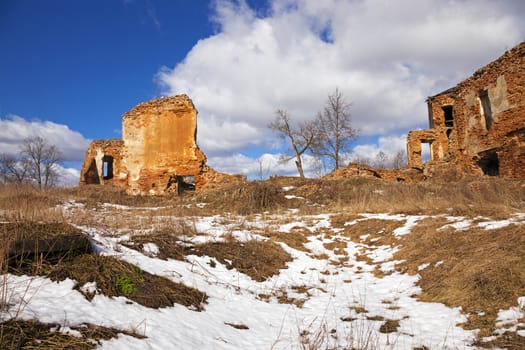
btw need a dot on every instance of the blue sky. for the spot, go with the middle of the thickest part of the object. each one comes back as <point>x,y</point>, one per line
<point>70,69</point>
<point>82,63</point>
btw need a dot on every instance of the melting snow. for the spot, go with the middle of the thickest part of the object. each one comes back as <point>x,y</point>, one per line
<point>333,293</point>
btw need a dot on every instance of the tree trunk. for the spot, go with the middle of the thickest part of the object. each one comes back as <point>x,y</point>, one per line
<point>299,165</point>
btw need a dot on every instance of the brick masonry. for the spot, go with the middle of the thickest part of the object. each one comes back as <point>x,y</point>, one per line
<point>157,152</point>
<point>478,126</point>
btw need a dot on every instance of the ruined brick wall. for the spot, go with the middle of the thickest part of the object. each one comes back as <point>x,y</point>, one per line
<point>160,144</point>
<point>158,150</point>
<point>103,163</point>
<point>480,123</point>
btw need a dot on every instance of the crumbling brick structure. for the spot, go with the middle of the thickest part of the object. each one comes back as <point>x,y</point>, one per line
<point>407,175</point>
<point>158,152</point>
<point>478,126</point>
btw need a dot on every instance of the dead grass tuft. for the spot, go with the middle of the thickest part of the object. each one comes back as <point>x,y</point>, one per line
<point>257,259</point>
<point>237,325</point>
<point>296,238</point>
<point>339,220</point>
<point>338,246</point>
<point>390,326</point>
<point>508,340</point>
<point>17,334</point>
<point>25,246</point>
<point>169,244</point>
<point>373,231</point>
<point>359,309</point>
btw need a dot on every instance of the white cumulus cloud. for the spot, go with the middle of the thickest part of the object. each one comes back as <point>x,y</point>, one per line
<point>68,177</point>
<point>264,166</point>
<point>385,56</point>
<point>15,129</point>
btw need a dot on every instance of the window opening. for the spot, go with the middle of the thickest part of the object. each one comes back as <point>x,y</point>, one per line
<point>485,108</point>
<point>449,131</point>
<point>489,163</point>
<point>426,151</point>
<point>107,167</point>
<point>448,111</point>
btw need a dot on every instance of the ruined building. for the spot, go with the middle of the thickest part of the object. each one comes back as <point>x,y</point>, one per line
<point>478,126</point>
<point>157,154</point>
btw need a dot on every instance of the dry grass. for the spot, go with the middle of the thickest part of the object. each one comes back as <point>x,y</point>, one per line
<point>251,197</point>
<point>169,244</point>
<point>25,246</point>
<point>338,246</point>
<point>390,326</point>
<point>480,270</point>
<point>115,277</point>
<point>475,196</point>
<point>296,238</point>
<point>17,334</point>
<point>488,196</point>
<point>257,259</point>
<point>340,219</point>
<point>373,231</point>
<point>508,340</point>
<point>24,203</point>
<point>34,230</point>
<point>59,251</point>
<point>93,195</point>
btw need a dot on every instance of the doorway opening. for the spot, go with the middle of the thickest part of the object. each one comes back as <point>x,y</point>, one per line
<point>489,163</point>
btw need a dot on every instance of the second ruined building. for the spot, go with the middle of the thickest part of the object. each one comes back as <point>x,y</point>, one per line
<point>478,126</point>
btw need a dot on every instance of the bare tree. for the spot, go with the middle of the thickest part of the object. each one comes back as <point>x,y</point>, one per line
<point>13,169</point>
<point>381,160</point>
<point>334,130</point>
<point>300,137</point>
<point>42,159</point>
<point>399,160</point>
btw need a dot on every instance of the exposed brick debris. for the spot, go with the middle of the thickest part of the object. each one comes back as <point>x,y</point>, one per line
<point>407,175</point>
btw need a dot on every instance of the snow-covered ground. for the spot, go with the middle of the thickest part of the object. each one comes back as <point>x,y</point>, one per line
<point>345,304</point>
